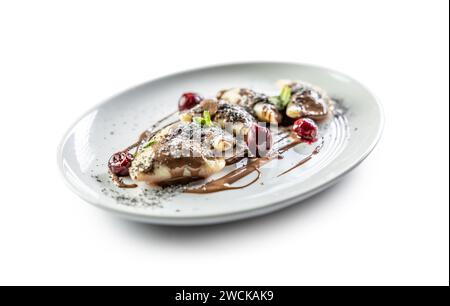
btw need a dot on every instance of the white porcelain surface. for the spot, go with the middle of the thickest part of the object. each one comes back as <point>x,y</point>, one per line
<point>117,122</point>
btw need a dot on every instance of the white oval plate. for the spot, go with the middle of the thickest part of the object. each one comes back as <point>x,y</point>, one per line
<point>117,122</point>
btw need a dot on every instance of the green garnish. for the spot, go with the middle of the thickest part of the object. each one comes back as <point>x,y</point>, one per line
<point>283,99</point>
<point>205,120</point>
<point>149,144</point>
<point>285,95</point>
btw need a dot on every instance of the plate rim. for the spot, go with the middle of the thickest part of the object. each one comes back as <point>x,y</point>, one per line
<point>217,218</point>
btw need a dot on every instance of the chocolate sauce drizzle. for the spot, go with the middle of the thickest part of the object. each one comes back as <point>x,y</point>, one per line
<point>304,160</point>
<point>226,181</point>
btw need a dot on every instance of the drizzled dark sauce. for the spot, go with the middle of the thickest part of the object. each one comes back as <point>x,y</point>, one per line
<point>225,182</point>
<point>305,160</point>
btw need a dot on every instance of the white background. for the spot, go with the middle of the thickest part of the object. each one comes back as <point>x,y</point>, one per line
<point>387,223</point>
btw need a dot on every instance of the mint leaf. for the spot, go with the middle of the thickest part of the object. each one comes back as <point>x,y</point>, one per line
<point>283,99</point>
<point>285,96</point>
<point>207,118</point>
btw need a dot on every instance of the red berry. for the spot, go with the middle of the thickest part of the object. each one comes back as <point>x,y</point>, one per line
<point>119,163</point>
<point>306,129</point>
<point>259,140</point>
<point>188,100</point>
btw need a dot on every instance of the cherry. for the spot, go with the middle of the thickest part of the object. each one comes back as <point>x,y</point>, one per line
<point>259,140</point>
<point>120,162</point>
<point>306,129</point>
<point>188,100</point>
